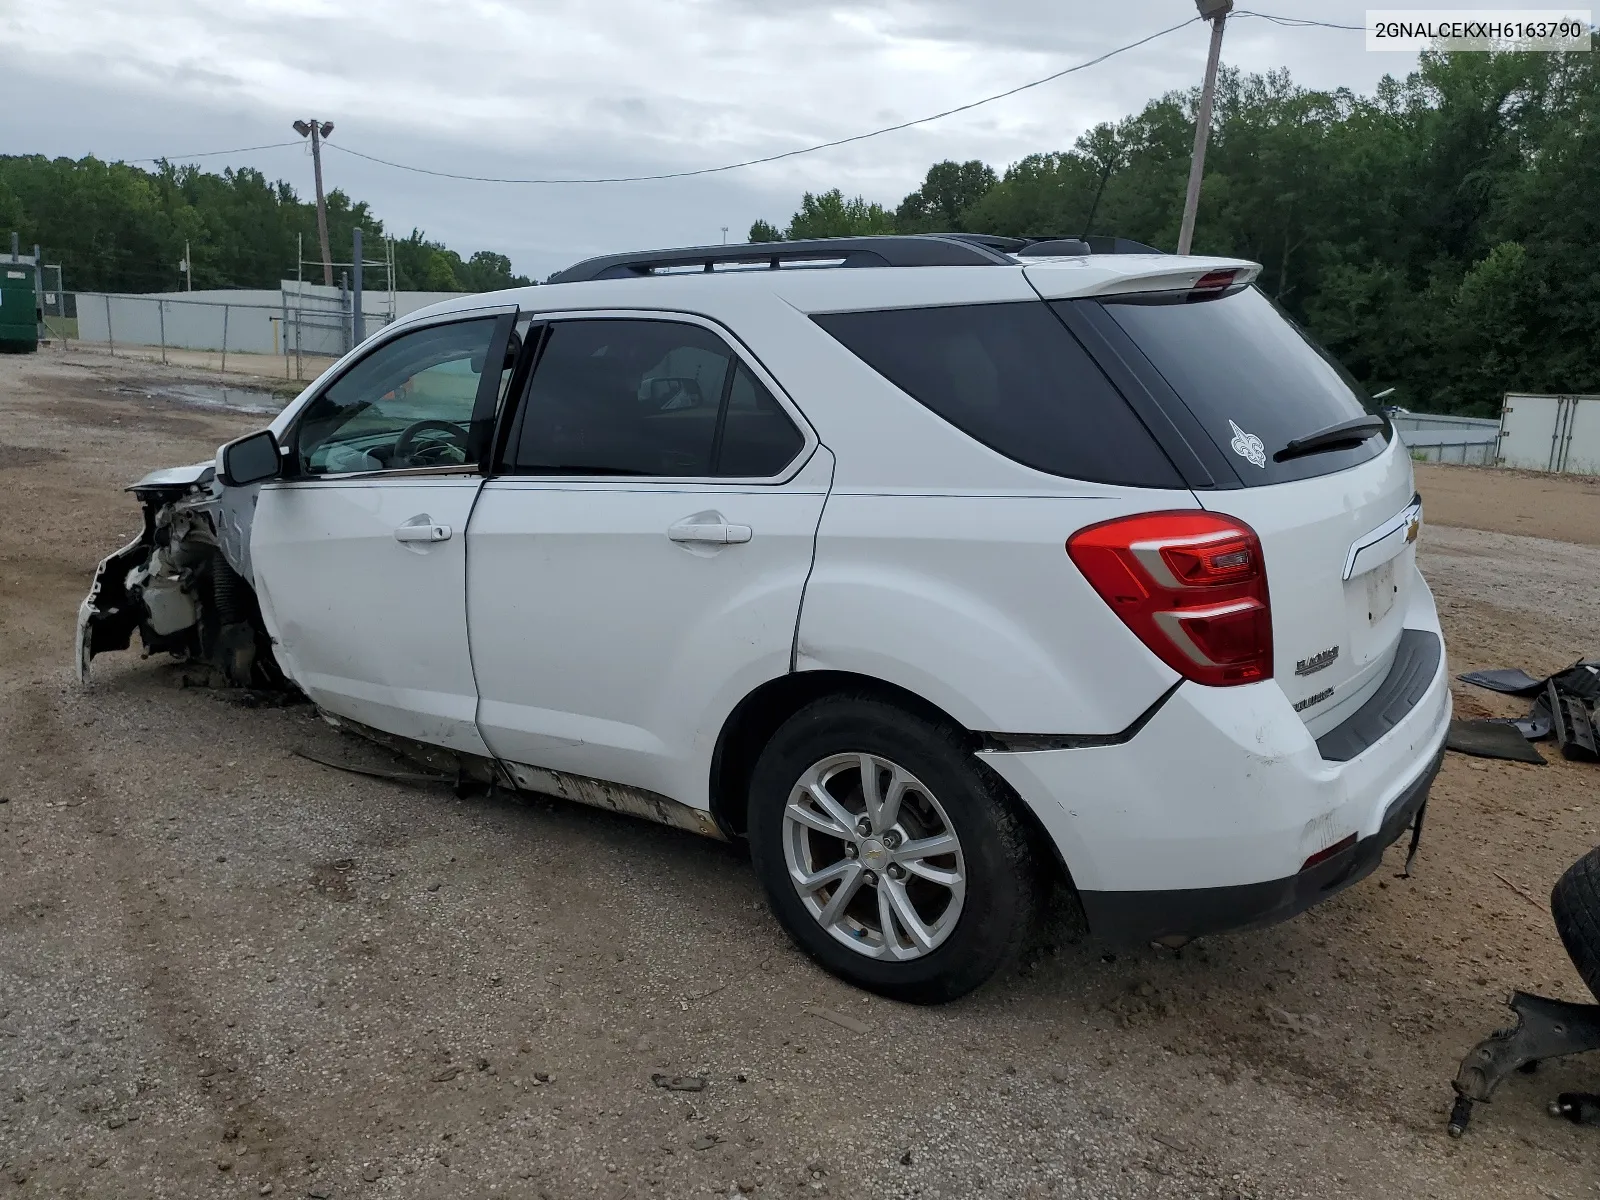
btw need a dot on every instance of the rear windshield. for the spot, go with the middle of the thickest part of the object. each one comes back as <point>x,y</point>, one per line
<point>1252,378</point>
<point>1012,377</point>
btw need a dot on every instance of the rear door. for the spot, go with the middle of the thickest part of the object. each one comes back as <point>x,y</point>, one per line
<point>1337,526</point>
<point>635,566</point>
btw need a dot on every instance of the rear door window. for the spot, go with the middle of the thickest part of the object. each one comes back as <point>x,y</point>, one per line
<point>1252,378</point>
<point>1014,378</point>
<point>648,397</point>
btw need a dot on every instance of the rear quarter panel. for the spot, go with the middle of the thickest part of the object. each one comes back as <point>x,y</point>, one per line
<point>971,602</point>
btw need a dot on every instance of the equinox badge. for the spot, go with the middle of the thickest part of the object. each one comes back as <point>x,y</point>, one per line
<point>1323,658</point>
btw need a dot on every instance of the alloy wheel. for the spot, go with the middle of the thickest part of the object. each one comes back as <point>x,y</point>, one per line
<point>874,856</point>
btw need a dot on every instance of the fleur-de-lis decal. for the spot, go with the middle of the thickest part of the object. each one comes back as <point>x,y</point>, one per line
<point>1248,446</point>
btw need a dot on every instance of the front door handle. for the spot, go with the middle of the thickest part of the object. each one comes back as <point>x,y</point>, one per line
<point>708,529</point>
<point>422,533</point>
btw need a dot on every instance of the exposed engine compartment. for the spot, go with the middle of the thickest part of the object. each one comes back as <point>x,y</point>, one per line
<point>175,586</point>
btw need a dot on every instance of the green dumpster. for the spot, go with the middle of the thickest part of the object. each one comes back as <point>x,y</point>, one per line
<point>19,305</point>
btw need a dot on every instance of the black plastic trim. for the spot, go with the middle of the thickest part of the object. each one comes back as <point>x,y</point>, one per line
<point>486,405</point>
<point>1416,662</point>
<point>1024,743</point>
<point>1137,917</point>
<point>1196,458</point>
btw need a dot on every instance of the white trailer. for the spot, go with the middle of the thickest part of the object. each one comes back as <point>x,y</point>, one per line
<point>1550,433</point>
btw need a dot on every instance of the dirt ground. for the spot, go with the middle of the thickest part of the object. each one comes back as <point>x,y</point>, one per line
<point>228,971</point>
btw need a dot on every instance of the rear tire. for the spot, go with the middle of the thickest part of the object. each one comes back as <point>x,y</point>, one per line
<point>1575,905</point>
<point>946,866</point>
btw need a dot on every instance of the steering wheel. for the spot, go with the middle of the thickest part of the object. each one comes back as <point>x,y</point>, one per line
<point>405,444</point>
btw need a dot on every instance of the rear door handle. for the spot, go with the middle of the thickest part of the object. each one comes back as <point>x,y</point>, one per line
<point>708,529</point>
<point>422,533</point>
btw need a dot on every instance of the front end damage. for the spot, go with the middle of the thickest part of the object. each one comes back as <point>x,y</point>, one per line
<point>178,584</point>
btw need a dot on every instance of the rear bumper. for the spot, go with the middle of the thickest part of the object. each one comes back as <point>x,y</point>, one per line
<point>1136,917</point>
<point>1205,818</point>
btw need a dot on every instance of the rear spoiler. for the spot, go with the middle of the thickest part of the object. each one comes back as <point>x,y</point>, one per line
<point>1156,273</point>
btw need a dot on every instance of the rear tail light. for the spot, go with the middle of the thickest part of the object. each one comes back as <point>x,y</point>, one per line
<point>1213,284</point>
<point>1193,587</point>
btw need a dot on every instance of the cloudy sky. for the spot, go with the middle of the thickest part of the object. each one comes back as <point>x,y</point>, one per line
<point>578,88</point>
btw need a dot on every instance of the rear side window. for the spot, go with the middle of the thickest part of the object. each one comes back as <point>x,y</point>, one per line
<point>1012,377</point>
<point>758,439</point>
<point>648,397</point>
<point>1252,378</point>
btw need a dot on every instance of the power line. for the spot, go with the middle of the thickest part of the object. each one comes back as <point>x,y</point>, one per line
<point>1288,22</point>
<point>1297,22</point>
<point>211,153</point>
<point>751,162</point>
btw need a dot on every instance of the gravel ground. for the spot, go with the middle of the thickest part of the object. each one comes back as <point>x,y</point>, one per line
<point>228,971</point>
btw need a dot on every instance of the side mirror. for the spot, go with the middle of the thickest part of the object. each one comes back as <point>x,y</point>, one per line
<point>250,459</point>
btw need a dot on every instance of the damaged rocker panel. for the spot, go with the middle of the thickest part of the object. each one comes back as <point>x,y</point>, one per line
<point>523,777</point>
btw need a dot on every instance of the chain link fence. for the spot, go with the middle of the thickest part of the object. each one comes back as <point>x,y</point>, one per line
<point>292,333</point>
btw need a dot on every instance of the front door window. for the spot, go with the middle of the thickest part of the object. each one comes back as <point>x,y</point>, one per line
<point>408,404</point>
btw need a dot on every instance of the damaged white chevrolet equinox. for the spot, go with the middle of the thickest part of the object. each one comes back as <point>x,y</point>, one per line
<point>941,569</point>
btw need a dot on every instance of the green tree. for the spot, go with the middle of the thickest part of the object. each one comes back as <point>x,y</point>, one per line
<point>949,189</point>
<point>117,227</point>
<point>764,231</point>
<point>829,214</point>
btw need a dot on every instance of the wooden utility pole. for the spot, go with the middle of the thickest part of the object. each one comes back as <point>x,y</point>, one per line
<point>316,131</point>
<point>1215,11</point>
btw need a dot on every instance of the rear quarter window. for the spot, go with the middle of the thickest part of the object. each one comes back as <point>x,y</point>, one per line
<point>1245,370</point>
<point>1014,378</point>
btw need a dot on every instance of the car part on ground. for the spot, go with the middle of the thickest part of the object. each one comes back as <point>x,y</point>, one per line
<point>1512,681</point>
<point>1492,739</point>
<point>1572,723</point>
<point>1563,706</point>
<point>1545,1028</point>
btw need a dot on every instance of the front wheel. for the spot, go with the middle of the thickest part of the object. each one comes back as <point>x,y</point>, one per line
<point>887,854</point>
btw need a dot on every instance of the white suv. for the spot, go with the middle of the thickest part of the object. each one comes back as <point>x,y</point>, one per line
<point>940,569</point>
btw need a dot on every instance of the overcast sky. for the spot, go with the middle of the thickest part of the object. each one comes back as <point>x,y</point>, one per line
<point>574,88</point>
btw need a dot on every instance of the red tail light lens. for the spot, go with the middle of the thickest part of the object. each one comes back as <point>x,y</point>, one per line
<point>1212,283</point>
<point>1192,586</point>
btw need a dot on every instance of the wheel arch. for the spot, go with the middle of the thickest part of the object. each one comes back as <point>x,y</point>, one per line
<point>753,721</point>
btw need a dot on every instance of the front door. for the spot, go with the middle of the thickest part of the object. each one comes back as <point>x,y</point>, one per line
<point>637,566</point>
<point>359,552</point>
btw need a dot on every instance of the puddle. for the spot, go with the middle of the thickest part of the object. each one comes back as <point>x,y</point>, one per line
<point>208,395</point>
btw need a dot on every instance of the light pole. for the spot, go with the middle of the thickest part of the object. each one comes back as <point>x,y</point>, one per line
<point>1215,11</point>
<point>316,131</point>
<point>724,235</point>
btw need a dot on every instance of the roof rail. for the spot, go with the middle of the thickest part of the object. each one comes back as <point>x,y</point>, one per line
<point>916,250</point>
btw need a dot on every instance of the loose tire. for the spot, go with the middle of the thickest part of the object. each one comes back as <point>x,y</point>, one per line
<point>1575,905</point>
<point>890,857</point>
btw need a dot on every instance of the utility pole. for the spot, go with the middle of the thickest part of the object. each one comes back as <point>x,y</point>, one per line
<point>358,317</point>
<point>316,131</point>
<point>1215,11</point>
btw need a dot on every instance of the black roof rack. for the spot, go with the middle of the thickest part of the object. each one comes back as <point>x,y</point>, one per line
<point>918,250</point>
<point>882,250</point>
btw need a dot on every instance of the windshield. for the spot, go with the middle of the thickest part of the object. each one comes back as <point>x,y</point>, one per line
<point>1253,379</point>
